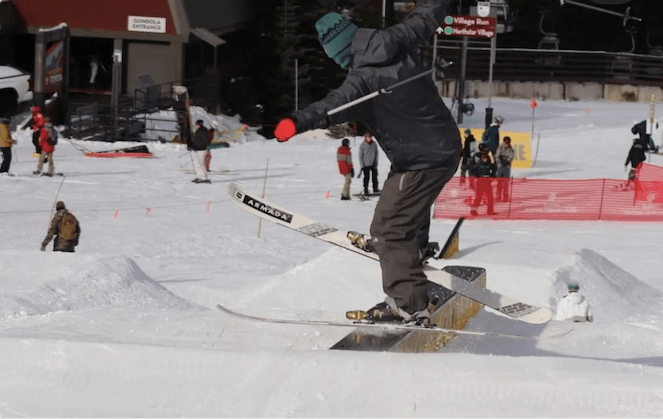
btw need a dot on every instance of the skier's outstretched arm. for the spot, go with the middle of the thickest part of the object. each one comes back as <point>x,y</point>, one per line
<point>420,24</point>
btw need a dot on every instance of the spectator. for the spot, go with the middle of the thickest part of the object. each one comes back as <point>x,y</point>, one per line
<point>469,149</point>
<point>491,136</point>
<point>368,158</point>
<point>574,307</point>
<point>344,158</point>
<point>38,123</point>
<point>503,159</point>
<point>6,143</point>
<point>199,144</point>
<point>47,149</point>
<point>210,138</point>
<point>484,171</point>
<point>65,228</point>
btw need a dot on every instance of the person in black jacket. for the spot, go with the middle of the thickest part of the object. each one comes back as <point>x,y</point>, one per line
<point>636,155</point>
<point>199,144</point>
<point>469,149</point>
<point>413,127</point>
<point>483,171</point>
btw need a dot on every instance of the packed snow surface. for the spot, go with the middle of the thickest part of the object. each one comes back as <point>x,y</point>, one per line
<point>127,325</point>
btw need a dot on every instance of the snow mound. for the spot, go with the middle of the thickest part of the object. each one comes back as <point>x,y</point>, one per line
<point>36,283</point>
<point>614,294</point>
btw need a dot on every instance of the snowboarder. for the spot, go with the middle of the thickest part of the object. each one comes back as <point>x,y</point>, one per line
<point>483,170</point>
<point>47,149</point>
<point>636,155</point>
<point>6,143</point>
<point>503,159</point>
<point>65,228</point>
<point>413,127</point>
<point>574,307</point>
<point>368,158</point>
<point>345,168</point>
<point>199,144</point>
<point>469,149</point>
<point>491,136</point>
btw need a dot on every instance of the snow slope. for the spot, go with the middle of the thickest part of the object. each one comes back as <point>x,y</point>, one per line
<point>126,326</point>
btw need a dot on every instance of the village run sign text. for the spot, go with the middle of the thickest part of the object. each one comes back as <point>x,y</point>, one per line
<point>147,24</point>
<point>471,26</point>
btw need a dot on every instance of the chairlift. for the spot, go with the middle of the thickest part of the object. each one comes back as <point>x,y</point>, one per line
<point>550,40</point>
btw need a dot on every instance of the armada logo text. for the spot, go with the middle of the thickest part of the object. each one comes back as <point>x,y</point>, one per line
<point>266,209</point>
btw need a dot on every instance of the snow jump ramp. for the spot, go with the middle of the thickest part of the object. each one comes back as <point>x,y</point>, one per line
<point>452,311</point>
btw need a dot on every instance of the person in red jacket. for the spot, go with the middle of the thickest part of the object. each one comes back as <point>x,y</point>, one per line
<point>46,149</point>
<point>344,158</point>
<point>38,122</point>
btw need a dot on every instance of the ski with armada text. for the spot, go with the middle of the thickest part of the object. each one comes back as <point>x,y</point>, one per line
<point>269,211</point>
<point>385,326</point>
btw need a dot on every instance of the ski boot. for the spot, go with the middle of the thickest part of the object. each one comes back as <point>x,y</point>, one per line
<point>361,241</point>
<point>430,251</point>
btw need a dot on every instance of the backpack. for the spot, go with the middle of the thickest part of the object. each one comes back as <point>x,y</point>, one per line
<point>53,137</point>
<point>68,225</point>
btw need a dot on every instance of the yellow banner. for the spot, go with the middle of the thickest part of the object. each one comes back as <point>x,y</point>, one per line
<point>520,141</point>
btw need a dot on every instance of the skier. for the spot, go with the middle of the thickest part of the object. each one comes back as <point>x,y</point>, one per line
<point>483,170</point>
<point>413,127</point>
<point>47,149</point>
<point>6,143</point>
<point>491,136</point>
<point>368,158</point>
<point>345,168</point>
<point>199,145</point>
<point>469,149</point>
<point>574,307</point>
<point>65,228</point>
<point>503,159</point>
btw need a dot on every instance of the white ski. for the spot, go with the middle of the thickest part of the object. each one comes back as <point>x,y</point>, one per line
<point>265,209</point>
<point>384,326</point>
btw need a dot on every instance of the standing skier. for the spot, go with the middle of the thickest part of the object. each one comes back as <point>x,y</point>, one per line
<point>199,144</point>
<point>503,159</point>
<point>345,168</point>
<point>413,127</point>
<point>491,136</point>
<point>6,143</point>
<point>368,158</point>
<point>47,149</point>
<point>469,149</point>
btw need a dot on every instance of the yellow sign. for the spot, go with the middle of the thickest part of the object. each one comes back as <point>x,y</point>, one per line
<point>520,141</point>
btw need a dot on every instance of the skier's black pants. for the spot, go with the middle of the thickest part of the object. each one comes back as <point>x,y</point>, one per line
<point>35,141</point>
<point>6,159</point>
<point>399,232</point>
<point>373,172</point>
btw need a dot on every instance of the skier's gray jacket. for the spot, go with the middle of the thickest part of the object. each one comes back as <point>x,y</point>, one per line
<point>412,124</point>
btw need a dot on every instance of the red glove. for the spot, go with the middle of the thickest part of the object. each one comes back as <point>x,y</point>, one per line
<point>285,130</point>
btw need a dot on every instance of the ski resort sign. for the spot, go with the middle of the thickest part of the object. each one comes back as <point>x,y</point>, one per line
<point>147,24</point>
<point>471,26</point>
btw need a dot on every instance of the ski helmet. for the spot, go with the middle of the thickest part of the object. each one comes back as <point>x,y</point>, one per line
<point>499,119</point>
<point>345,142</point>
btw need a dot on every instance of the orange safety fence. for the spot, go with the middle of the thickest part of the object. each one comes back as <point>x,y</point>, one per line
<point>547,199</point>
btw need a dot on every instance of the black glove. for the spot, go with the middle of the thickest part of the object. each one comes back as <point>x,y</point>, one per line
<point>352,173</point>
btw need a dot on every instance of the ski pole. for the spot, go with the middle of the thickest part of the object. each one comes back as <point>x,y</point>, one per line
<point>386,90</point>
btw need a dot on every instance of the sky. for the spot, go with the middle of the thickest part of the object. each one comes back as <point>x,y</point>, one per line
<point>127,325</point>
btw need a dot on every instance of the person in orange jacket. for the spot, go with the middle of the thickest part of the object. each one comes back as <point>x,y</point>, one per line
<point>47,149</point>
